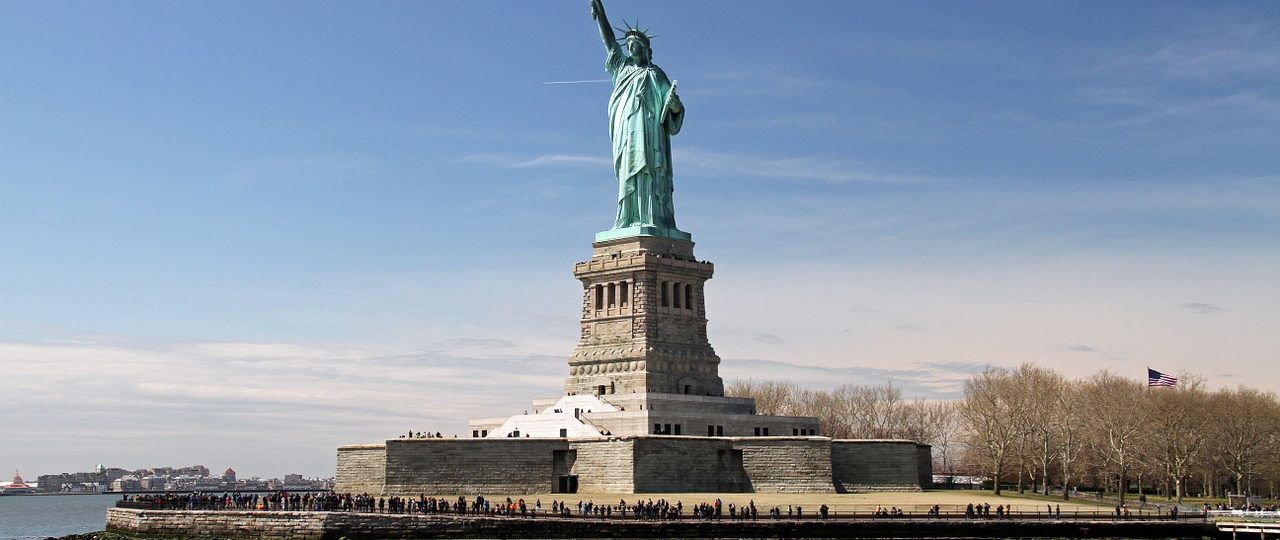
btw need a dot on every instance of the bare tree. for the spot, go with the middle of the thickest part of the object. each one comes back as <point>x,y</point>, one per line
<point>833,412</point>
<point>1116,419</point>
<point>1068,431</point>
<point>1246,425</point>
<point>1033,421</point>
<point>926,421</point>
<point>932,422</point>
<point>1180,423</point>
<point>876,412</point>
<point>986,412</point>
<point>772,397</point>
<point>1039,390</point>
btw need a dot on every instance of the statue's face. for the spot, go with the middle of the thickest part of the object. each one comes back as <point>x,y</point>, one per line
<point>639,50</point>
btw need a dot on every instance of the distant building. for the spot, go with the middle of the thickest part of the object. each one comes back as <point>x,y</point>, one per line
<point>194,470</point>
<point>17,487</point>
<point>192,478</point>
<point>125,484</point>
<point>204,483</point>
<point>958,481</point>
<point>100,479</point>
<point>154,483</point>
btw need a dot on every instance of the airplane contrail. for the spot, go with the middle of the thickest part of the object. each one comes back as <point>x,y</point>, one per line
<point>578,82</point>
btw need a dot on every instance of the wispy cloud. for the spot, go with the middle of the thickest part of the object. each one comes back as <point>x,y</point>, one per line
<point>481,343</point>
<point>922,379</point>
<point>1221,75</point>
<point>960,368</point>
<point>703,162</point>
<point>585,81</point>
<point>1082,348</point>
<point>1210,54</point>
<point>508,161</point>
<point>696,161</point>
<point>215,400</point>
<point>1201,308</point>
<point>1153,104</point>
<point>769,339</point>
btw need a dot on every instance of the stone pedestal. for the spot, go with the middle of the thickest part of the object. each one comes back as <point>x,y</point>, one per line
<point>644,325</point>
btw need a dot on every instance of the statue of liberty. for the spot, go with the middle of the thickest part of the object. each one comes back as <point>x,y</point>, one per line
<point>644,112</point>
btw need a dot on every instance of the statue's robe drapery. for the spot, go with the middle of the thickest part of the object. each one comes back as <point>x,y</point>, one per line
<point>641,141</point>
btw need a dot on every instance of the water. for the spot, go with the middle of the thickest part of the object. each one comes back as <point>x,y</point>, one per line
<point>42,516</point>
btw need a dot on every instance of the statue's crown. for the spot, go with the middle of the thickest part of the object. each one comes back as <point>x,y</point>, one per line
<point>634,32</point>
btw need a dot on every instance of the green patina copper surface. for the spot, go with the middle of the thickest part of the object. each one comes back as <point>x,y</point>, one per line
<point>644,112</point>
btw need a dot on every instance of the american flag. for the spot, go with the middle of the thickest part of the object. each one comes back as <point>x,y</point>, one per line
<point>1155,378</point>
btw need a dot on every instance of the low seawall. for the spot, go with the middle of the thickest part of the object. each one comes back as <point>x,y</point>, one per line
<point>334,525</point>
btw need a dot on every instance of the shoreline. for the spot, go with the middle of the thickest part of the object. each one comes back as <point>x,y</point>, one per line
<point>137,523</point>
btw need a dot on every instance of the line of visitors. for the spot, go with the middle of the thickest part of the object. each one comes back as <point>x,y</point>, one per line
<point>424,435</point>
<point>280,501</point>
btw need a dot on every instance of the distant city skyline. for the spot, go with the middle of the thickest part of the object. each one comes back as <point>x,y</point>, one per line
<point>190,478</point>
<point>247,234</point>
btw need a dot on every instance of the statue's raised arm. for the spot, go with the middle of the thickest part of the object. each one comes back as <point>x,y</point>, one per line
<point>606,31</point>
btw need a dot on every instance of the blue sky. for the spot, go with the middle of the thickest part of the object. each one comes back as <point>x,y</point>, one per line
<point>244,233</point>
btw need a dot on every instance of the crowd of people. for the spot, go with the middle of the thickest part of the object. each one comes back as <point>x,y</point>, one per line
<point>281,500</point>
<point>1247,508</point>
<point>893,511</point>
<point>983,510</point>
<point>640,509</point>
<point>424,435</point>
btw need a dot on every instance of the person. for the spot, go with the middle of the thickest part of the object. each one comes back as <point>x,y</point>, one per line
<point>644,112</point>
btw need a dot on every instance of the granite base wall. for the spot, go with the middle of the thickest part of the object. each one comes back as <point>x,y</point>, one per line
<point>362,468</point>
<point>687,465</point>
<point>644,464</point>
<point>787,465</point>
<point>464,466</point>
<point>924,465</point>
<point>606,466</point>
<point>879,465</point>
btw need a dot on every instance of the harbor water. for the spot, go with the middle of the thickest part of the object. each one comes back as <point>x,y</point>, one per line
<point>42,516</point>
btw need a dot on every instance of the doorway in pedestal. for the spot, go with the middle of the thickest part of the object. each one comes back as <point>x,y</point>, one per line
<point>567,484</point>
